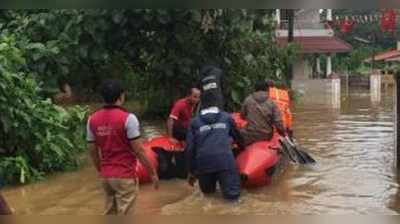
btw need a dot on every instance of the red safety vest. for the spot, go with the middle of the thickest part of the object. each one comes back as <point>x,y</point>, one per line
<point>108,127</point>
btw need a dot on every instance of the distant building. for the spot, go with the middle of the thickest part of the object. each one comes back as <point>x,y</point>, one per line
<point>389,57</point>
<point>314,36</point>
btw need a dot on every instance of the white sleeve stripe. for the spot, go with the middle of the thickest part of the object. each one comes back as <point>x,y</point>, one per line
<point>89,134</point>
<point>132,127</point>
<point>173,117</point>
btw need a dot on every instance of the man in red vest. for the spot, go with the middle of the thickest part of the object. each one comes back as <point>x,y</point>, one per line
<point>113,135</point>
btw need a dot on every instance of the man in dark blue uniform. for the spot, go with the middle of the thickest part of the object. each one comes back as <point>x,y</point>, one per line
<point>209,154</point>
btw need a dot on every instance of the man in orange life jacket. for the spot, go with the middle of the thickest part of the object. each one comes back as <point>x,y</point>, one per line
<point>262,115</point>
<point>113,136</point>
<point>178,123</point>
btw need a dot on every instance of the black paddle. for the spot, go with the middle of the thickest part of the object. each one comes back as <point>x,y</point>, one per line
<point>294,153</point>
<point>286,150</point>
<point>305,156</point>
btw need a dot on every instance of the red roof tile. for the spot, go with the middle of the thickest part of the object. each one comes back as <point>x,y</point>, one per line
<point>319,44</point>
<point>384,55</point>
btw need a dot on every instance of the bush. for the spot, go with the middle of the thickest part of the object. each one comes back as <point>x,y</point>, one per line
<point>37,137</point>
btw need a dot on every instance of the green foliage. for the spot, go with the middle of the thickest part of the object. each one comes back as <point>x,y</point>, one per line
<point>37,136</point>
<point>254,60</point>
<point>354,61</point>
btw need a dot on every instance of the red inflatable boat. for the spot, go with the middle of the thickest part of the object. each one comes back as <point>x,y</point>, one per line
<point>259,161</point>
<point>257,164</point>
<point>150,145</point>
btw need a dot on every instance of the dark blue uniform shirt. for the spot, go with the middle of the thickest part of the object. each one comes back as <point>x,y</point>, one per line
<point>208,141</point>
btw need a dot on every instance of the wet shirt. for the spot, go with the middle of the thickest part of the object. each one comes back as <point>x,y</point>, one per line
<point>112,129</point>
<point>208,148</point>
<point>182,113</point>
<point>262,114</point>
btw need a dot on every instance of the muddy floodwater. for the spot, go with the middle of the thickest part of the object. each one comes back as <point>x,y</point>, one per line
<point>354,175</point>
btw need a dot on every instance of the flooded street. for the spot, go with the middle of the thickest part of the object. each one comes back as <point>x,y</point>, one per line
<point>353,146</point>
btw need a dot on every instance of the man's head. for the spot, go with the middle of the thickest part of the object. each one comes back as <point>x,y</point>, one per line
<point>113,92</point>
<point>210,69</point>
<point>263,85</point>
<point>194,95</point>
<point>270,83</point>
<point>205,69</point>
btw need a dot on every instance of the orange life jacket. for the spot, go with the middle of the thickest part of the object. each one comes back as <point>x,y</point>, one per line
<point>282,100</point>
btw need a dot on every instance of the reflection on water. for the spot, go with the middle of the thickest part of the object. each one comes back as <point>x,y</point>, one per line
<point>353,145</point>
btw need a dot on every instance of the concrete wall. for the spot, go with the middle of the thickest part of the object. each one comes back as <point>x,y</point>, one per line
<point>319,91</point>
<point>307,24</point>
<point>306,33</point>
<point>308,19</point>
<point>302,69</point>
<point>375,87</point>
<point>359,81</point>
<point>299,72</point>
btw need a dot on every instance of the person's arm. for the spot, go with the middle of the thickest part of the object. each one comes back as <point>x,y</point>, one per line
<point>277,120</point>
<point>138,150</point>
<point>170,127</point>
<point>4,208</point>
<point>93,150</point>
<point>132,127</point>
<point>173,116</point>
<point>94,155</point>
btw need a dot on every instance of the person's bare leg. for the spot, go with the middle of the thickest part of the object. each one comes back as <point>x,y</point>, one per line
<point>4,208</point>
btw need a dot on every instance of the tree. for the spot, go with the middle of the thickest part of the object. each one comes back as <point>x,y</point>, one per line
<point>158,52</point>
<point>37,137</point>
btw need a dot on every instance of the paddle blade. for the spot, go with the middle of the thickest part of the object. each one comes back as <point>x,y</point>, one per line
<point>296,155</point>
<point>307,157</point>
<point>286,148</point>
